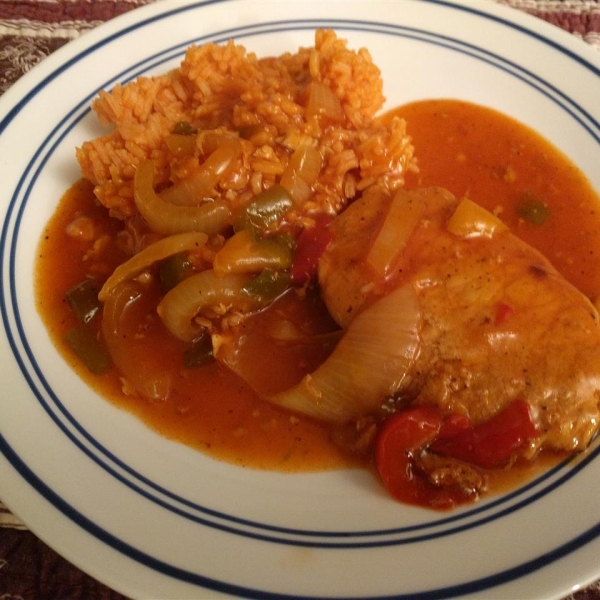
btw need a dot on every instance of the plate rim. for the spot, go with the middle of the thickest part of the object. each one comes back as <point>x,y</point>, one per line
<point>157,15</point>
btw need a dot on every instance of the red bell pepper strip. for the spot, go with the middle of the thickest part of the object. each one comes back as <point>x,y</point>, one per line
<point>410,433</point>
<point>493,443</point>
<point>400,440</point>
<point>452,425</point>
<point>311,244</point>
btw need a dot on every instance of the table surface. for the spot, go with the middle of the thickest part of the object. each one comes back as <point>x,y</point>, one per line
<point>29,31</point>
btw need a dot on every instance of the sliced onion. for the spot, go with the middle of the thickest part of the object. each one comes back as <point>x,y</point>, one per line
<point>200,185</point>
<point>181,145</point>
<point>472,220</point>
<point>368,365</point>
<point>322,101</point>
<point>297,188</point>
<point>154,252</point>
<point>145,371</point>
<point>168,219</point>
<point>246,253</point>
<point>403,216</point>
<point>205,290</point>
<point>301,172</point>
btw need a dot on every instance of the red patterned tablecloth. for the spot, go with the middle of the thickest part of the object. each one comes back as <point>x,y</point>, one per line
<point>29,31</point>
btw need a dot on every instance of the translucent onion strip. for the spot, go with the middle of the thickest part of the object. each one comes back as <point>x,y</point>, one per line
<point>301,172</point>
<point>403,216</point>
<point>197,293</point>
<point>168,219</point>
<point>472,220</point>
<point>181,145</point>
<point>367,366</point>
<point>322,101</point>
<point>148,256</point>
<point>246,253</point>
<point>124,308</point>
<point>200,185</point>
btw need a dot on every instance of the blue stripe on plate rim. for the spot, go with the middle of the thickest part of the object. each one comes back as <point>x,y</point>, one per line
<point>183,575</point>
<point>103,457</point>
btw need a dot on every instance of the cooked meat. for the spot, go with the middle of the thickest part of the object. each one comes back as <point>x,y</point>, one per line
<point>499,323</point>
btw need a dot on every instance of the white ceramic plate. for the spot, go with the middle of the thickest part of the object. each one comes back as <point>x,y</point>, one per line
<point>152,518</point>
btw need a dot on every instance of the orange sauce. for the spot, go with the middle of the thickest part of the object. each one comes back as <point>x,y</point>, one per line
<point>468,149</point>
<point>210,408</point>
<point>477,152</point>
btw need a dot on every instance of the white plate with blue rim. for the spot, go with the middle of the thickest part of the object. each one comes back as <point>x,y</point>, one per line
<point>152,518</point>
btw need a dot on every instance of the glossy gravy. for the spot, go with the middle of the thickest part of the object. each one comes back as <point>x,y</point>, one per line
<point>468,149</point>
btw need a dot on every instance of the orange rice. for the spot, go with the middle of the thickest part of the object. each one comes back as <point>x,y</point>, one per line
<point>264,103</point>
